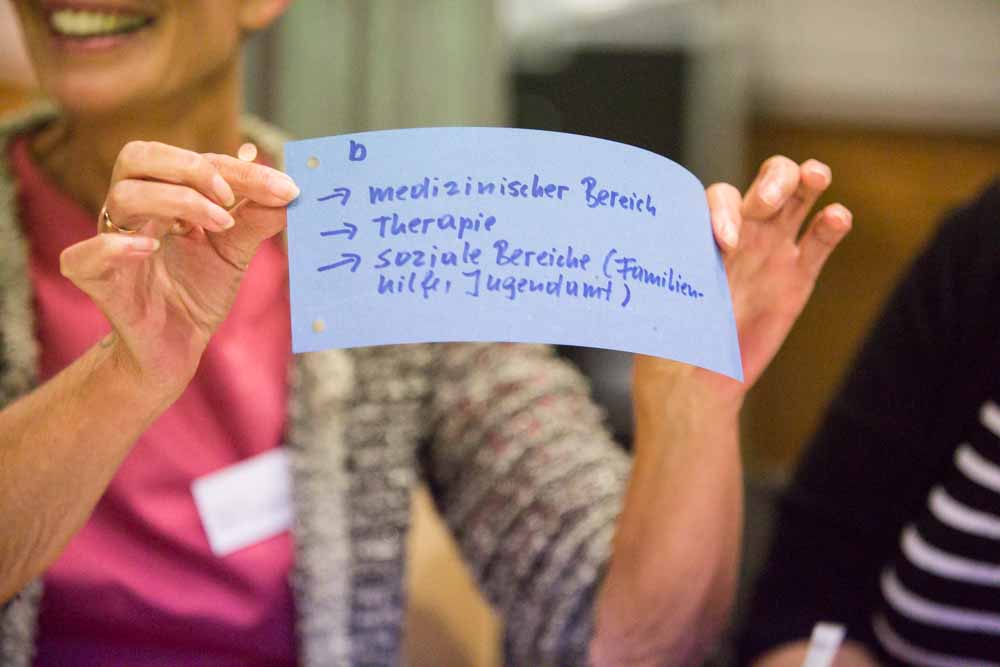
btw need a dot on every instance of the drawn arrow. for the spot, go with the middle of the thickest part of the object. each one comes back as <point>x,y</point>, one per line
<point>343,194</point>
<point>349,257</point>
<point>349,229</point>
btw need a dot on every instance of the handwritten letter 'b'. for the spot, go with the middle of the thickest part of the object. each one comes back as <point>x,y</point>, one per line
<point>489,234</point>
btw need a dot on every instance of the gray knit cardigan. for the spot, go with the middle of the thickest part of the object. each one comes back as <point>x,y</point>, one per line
<point>505,435</point>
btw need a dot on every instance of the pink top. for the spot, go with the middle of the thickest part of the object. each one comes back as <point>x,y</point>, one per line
<point>138,584</point>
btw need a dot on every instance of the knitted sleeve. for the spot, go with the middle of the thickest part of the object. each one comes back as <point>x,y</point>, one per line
<point>18,362</point>
<point>531,484</point>
<point>17,626</point>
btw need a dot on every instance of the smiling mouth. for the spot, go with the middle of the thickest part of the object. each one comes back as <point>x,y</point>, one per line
<point>91,23</point>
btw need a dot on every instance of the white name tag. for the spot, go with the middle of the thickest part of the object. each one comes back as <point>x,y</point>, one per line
<point>245,503</point>
<point>824,644</point>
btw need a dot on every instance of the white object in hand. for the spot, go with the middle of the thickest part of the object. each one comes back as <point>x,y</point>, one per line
<point>824,644</point>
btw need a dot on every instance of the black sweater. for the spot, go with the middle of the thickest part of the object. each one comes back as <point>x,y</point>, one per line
<point>888,524</point>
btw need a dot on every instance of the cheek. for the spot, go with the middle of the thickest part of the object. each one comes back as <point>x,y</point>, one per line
<point>200,54</point>
<point>208,28</point>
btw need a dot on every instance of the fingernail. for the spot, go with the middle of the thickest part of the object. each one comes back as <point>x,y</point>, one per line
<point>770,193</point>
<point>283,186</point>
<point>221,217</point>
<point>223,192</point>
<point>729,235</point>
<point>820,168</point>
<point>842,215</point>
<point>144,243</point>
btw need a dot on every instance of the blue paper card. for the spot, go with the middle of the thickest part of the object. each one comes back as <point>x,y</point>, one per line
<point>491,234</point>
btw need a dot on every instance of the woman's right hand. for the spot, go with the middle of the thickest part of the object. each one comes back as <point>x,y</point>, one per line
<point>168,286</point>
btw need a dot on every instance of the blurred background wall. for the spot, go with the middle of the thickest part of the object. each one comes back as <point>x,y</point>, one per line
<point>375,64</point>
<point>900,97</point>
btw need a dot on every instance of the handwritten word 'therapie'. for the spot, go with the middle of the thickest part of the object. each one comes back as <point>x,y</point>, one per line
<point>392,225</point>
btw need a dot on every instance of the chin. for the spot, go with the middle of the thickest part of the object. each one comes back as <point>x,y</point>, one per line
<point>95,95</point>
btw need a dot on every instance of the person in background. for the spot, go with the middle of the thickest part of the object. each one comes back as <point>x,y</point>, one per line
<point>891,524</point>
<point>139,359</point>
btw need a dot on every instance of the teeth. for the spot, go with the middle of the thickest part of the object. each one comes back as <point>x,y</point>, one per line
<point>90,23</point>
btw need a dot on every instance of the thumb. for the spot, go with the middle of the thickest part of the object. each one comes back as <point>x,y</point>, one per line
<point>254,225</point>
<point>97,261</point>
<point>724,207</point>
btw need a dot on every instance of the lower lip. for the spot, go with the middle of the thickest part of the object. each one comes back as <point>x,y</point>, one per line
<point>98,44</point>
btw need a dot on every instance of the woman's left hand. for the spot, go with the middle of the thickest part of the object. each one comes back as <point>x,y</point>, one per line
<point>772,268</point>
